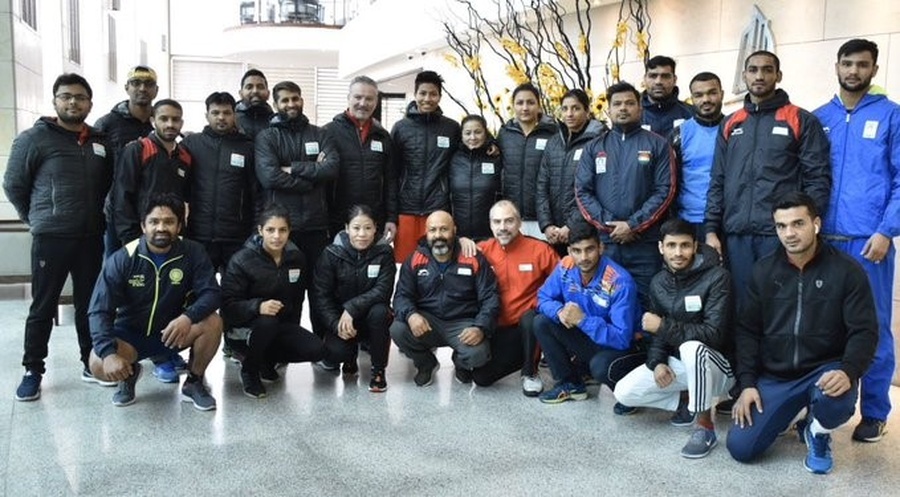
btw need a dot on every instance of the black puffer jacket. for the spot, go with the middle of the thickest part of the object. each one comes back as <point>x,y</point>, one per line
<point>555,197</point>
<point>296,144</point>
<point>57,179</point>
<point>145,167</point>
<point>794,321</point>
<point>350,280</point>
<point>423,147</point>
<point>474,187</point>
<point>367,175</point>
<point>251,119</point>
<point>225,193</point>
<point>121,128</point>
<point>252,277</point>
<point>521,160</point>
<point>705,289</point>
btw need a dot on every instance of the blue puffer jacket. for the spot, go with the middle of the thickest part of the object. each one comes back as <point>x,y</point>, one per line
<point>865,161</point>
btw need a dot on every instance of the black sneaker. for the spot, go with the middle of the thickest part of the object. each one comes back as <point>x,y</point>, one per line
<point>621,409</point>
<point>30,387</point>
<point>328,366</point>
<point>252,386</point>
<point>88,377</point>
<point>869,430</point>
<point>197,393</point>
<point>268,374</point>
<point>463,375</point>
<point>378,383</point>
<point>425,375</point>
<point>682,416</point>
<point>124,396</point>
<point>724,408</point>
<point>350,368</point>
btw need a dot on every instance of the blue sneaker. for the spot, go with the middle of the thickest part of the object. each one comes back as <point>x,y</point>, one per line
<point>564,391</point>
<point>180,364</point>
<point>30,387</point>
<point>818,458</point>
<point>166,372</point>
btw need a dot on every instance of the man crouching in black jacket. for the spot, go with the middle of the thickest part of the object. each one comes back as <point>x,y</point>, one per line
<point>806,333</point>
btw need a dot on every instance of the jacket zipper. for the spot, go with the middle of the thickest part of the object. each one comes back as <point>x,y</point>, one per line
<point>156,288</point>
<point>797,322</point>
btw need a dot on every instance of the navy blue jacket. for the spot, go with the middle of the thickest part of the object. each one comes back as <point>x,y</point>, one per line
<point>465,289</point>
<point>626,176</point>
<point>664,116</point>
<point>133,294</point>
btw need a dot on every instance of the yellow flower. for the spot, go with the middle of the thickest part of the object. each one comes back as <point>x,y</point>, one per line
<point>562,52</point>
<point>516,74</point>
<point>621,35</point>
<point>614,72</point>
<point>642,44</point>
<point>473,63</point>
<point>451,59</point>
<point>583,44</point>
<point>513,47</point>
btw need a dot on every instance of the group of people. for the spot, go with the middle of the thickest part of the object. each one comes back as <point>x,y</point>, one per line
<point>676,255</point>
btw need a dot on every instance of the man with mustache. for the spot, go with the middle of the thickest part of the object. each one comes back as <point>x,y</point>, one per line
<point>694,143</point>
<point>864,212</point>
<point>521,264</point>
<point>444,298</point>
<point>127,121</point>
<point>690,318</point>
<point>155,295</point>
<point>57,177</point>
<point>587,310</point>
<point>662,109</point>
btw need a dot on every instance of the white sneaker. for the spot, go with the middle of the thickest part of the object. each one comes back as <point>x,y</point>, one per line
<point>532,386</point>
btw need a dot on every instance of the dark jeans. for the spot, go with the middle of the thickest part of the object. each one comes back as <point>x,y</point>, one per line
<point>560,345</point>
<point>513,348</point>
<point>444,333</point>
<point>781,401</point>
<point>642,261</point>
<point>272,341</point>
<point>741,252</point>
<point>374,328</point>
<point>53,258</point>
<point>312,244</point>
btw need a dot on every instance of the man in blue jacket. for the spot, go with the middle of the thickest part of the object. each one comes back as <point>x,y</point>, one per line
<point>864,211</point>
<point>587,309</point>
<point>58,174</point>
<point>156,295</point>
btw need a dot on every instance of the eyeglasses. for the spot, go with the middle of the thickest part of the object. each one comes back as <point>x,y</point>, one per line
<point>146,83</point>
<point>68,97</point>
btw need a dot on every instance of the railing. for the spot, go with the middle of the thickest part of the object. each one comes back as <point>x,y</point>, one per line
<point>305,12</point>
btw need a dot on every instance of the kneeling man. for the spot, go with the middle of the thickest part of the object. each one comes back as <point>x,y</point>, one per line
<point>156,295</point>
<point>690,318</point>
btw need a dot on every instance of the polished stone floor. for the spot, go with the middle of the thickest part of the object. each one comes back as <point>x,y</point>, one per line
<point>321,434</point>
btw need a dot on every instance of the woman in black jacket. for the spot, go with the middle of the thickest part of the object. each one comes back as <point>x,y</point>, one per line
<point>474,180</point>
<point>352,293</point>
<point>262,294</point>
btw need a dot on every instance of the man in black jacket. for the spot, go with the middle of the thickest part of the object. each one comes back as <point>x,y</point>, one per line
<point>253,113</point>
<point>806,334</point>
<point>58,174</point>
<point>366,171</point>
<point>444,298</point>
<point>662,109</point>
<point>690,319</point>
<point>126,122</point>
<point>225,193</point>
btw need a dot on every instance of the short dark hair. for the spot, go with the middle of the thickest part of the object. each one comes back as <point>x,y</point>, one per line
<point>581,230</point>
<point>660,61</point>
<point>164,102</point>
<point>767,54</point>
<point>529,87</point>
<point>429,77</point>
<point>220,98</point>
<point>71,78</point>
<point>474,117</point>
<point>705,76</point>
<point>857,45</point>
<point>677,226</point>
<point>164,199</point>
<point>360,210</point>
<point>274,209</point>
<point>253,72</point>
<point>285,86</point>
<point>796,199</point>
<point>622,87</point>
<point>580,95</point>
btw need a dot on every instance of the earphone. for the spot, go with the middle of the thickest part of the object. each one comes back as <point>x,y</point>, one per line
<point>817,230</point>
